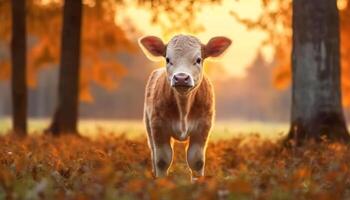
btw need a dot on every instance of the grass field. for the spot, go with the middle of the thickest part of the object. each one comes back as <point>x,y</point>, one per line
<point>114,167</point>
<point>133,128</point>
<point>117,165</point>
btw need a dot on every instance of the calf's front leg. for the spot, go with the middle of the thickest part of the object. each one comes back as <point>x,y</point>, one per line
<point>162,152</point>
<point>196,152</point>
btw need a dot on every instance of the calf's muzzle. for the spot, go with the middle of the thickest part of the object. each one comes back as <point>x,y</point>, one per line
<point>182,80</point>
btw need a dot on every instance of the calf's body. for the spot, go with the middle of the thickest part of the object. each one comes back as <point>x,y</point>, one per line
<point>171,115</point>
<point>179,100</point>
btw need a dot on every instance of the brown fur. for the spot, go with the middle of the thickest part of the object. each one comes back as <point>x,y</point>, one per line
<point>181,112</point>
<point>163,107</point>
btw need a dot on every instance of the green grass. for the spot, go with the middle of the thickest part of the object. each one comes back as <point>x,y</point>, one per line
<point>134,128</point>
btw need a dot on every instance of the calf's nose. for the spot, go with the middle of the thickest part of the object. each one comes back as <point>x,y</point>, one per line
<point>182,79</point>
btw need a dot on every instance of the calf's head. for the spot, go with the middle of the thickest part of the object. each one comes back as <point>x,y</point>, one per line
<point>184,57</point>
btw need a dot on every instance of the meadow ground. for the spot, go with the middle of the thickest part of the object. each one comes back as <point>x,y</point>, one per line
<point>114,166</point>
<point>222,129</point>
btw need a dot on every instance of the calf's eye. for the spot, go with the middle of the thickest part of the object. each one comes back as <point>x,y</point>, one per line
<point>198,61</point>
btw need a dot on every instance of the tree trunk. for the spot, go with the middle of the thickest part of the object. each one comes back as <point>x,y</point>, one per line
<point>66,115</point>
<point>18,75</point>
<point>316,87</point>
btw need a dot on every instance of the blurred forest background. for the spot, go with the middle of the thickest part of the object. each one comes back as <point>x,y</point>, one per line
<point>252,83</point>
<point>80,60</point>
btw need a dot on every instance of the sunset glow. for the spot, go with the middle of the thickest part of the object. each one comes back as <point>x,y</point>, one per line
<point>342,4</point>
<point>174,99</point>
<point>216,20</point>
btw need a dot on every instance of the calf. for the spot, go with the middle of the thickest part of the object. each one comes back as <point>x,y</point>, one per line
<point>179,100</point>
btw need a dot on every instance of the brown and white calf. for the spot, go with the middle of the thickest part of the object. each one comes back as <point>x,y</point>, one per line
<point>179,100</point>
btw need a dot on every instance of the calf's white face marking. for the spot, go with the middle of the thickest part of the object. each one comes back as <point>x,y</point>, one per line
<point>184,57</point>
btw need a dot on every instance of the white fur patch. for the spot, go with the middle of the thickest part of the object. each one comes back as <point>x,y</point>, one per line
<point>182,129</point>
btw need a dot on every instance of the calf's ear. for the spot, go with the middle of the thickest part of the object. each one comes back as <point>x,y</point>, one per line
<point>153,45</point>
<point>216,46</point>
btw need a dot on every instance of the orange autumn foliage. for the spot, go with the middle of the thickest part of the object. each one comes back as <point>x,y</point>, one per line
<point>101,41</point>
<point>345,52</point>
<point>176,16</point>
<point>276,21</point>
<point>114,167</point>
<point>5,18</point>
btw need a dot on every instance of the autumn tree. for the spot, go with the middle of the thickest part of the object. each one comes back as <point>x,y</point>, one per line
<point>316,87</point>
<point>66,115</point>
<point>99,65</point>
<point>18,60</point>
<point>314,113</point>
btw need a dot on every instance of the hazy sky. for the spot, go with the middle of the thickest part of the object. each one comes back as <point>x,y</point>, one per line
<point>216,21</point>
